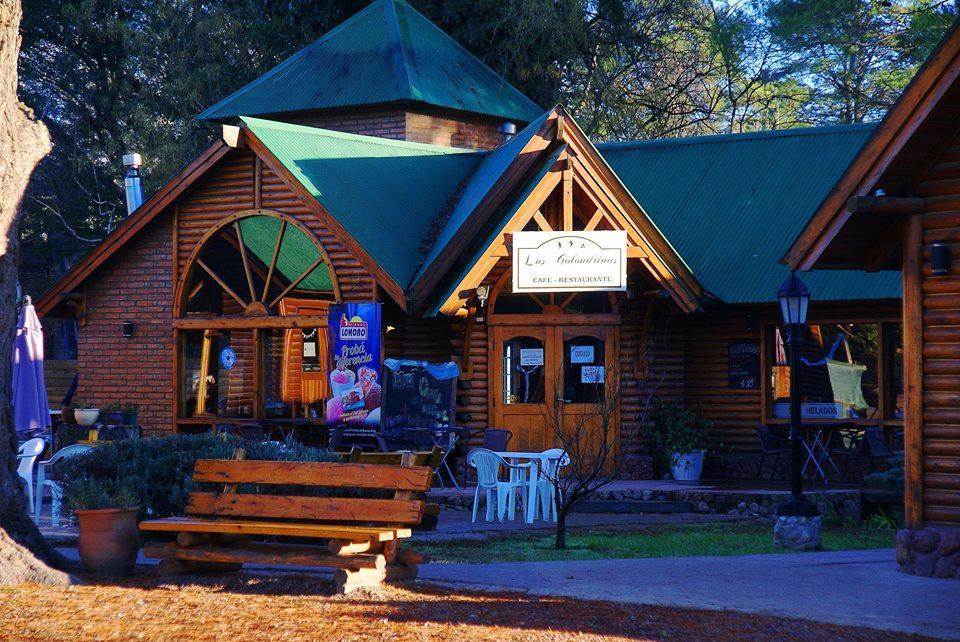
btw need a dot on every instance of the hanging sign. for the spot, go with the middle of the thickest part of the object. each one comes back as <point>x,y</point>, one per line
<point>743,365</point>
<point>354,340</point>
<point>569,261</point>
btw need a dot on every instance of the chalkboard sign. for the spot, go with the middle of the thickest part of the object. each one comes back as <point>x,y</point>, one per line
<point>744,365</point>
<point>418,394</point>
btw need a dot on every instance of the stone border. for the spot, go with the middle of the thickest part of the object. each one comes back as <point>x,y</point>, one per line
<point>929,552</point>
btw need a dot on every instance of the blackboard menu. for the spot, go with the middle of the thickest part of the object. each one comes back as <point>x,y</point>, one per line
<point>743,369</point>
<point>417,394</point>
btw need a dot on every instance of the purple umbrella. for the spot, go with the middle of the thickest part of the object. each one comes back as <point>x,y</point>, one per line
<point>31,412</point>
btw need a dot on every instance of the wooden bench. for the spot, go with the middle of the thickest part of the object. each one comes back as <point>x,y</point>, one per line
<point>363,534</point>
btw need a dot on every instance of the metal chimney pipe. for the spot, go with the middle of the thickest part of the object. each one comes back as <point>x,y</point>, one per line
<point>131,181</point>
<point>509,130</point>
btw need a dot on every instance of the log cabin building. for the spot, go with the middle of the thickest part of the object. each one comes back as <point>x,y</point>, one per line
<point>897,206</point>
<point>380,164</point>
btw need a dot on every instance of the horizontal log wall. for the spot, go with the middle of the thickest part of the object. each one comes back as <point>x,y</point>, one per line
<point>933,457</point>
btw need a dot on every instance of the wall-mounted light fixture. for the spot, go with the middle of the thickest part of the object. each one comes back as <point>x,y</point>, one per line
<point>128,329</point>
<point>940,258</point>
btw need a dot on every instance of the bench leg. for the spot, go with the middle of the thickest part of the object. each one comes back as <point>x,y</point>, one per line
<point>168,567</point>
<point>348,580</point>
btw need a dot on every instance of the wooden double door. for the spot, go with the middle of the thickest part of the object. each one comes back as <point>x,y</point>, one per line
<point>550,377</point>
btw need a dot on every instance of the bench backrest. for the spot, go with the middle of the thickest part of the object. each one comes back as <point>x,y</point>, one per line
<point>400,508</point>
<point>429,458</point>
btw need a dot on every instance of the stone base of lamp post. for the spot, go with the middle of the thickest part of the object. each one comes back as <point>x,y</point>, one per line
<point>797,532</point>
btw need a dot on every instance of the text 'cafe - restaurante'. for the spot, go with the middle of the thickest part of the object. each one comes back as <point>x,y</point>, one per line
<point>399,171</point>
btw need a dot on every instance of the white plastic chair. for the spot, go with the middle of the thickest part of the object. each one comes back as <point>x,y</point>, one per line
<point>556,459</point>
<point>56,492</point>
<point>488,465</point>
<point>27,455</point>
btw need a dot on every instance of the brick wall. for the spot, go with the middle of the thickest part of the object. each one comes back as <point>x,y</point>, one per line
<point>453,129</point>
<point>420,124</point>
<point>135,285</point>
<point>379,122</point>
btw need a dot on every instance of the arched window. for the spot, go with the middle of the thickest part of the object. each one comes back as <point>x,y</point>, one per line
<point>251,322</point>
<point>250,262</point>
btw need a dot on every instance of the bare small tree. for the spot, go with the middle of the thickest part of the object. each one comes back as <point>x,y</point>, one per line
<point>589,441</point>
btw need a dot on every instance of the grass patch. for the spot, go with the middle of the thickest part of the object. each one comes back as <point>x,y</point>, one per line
<point>740,538</point>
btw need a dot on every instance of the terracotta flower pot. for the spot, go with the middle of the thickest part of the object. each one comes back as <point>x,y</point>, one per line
<point>67,416</point>
<point>109,540</point>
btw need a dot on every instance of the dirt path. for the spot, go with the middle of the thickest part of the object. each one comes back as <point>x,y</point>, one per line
<point>246,607</point>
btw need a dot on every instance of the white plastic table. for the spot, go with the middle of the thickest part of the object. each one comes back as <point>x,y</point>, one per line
<point>538,460</point>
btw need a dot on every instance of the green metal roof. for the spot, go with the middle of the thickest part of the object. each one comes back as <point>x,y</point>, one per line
<point>387,52</point>
<point>385,193</point>
<point>732,204</point>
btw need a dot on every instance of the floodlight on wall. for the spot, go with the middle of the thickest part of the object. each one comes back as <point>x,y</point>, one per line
<point>128,329</point>
<point>940,258</point>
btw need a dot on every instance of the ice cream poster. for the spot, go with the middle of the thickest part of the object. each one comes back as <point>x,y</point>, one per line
<point>355,373</point>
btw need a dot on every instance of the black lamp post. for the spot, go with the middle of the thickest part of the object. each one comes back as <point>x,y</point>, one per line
<point>794,299</point>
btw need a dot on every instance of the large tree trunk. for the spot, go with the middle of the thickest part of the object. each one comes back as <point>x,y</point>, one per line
<point>24,554</point>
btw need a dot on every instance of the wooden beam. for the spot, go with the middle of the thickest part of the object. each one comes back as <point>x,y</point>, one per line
<point>568,200</point>
<point>913,371</point>
<point>904,205</point>
<point>248,323</point>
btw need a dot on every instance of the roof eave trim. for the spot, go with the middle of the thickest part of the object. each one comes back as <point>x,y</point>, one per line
<point>920,97</point>
<point>143,215</point>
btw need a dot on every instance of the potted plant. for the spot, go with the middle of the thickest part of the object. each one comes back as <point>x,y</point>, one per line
<point>67,415</point>
<point>86,415</point>
<point>117,414</point>
<point>107,518</point>
<point>683,437</point>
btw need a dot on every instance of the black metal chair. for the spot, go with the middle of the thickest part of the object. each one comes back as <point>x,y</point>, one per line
<point>875,447</point>
<point>771,445</point>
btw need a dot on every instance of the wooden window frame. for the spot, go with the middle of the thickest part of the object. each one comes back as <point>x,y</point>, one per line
<point>884,363</point>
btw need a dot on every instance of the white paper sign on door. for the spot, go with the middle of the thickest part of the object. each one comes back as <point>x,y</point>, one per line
<point>592,374</point>
<point>581,354</point>
<point>531,356</point>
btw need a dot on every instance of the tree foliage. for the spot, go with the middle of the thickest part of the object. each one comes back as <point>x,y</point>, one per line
<point>110,76</point>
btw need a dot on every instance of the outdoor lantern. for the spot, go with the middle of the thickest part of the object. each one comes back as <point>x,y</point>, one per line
<point>940,258</point>
<point>794,298</point>
<point>128,329</point>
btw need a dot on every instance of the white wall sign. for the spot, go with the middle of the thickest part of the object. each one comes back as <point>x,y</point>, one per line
<point>581,354</point>
<point>569,261</point>
<point>531,356</point>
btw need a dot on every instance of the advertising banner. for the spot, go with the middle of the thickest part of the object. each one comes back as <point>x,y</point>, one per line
<point>355,373</point>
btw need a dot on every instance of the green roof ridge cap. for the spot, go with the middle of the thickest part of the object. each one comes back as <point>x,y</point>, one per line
<point>466,52</point>
<point>397,49</point>
<point>738,136</point>
<point>332,133</point>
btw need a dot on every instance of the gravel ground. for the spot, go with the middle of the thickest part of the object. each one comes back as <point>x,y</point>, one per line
<point>257,606</point>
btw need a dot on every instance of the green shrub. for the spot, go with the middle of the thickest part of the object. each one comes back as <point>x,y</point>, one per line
<point>157,471</point>
<point>890,479</point>
<point>92,494</point>
<point>677,429</point>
